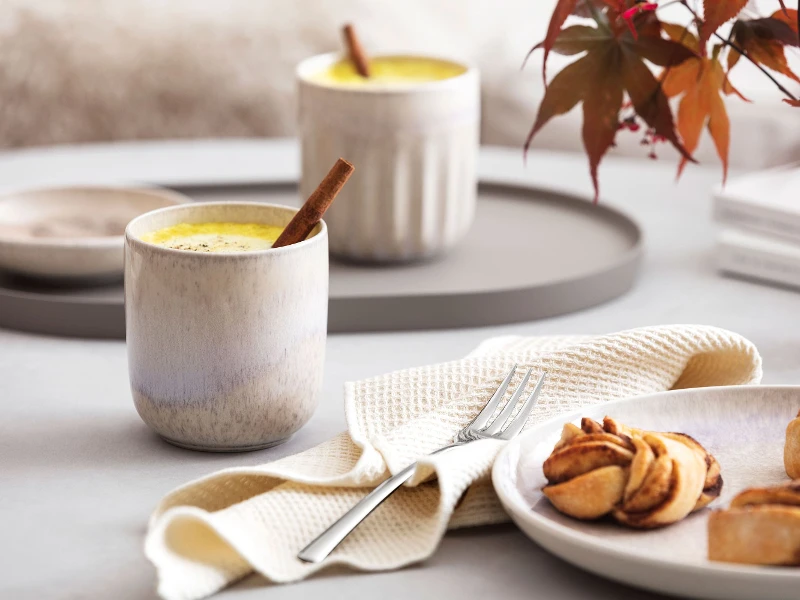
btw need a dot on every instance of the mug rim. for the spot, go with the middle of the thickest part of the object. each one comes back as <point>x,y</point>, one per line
<point>303,73</point>
<point>133,240</point>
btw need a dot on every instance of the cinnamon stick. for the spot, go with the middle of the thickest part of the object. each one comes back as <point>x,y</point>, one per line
<point>356,51</point>
<point>318,202</point>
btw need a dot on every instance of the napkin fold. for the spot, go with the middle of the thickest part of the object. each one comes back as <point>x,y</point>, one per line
<point>219,528</point>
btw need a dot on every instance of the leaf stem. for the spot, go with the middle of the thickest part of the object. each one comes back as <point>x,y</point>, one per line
<point>740,50</point>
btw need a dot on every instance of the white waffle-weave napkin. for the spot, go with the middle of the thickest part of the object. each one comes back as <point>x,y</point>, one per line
<point>217,529</point>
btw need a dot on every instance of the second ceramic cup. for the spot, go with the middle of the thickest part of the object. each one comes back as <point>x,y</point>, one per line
<point>415,149</point>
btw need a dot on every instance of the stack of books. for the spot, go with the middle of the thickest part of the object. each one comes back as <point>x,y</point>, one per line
<point>760,218</point>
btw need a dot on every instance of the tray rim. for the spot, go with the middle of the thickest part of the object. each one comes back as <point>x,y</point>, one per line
<point>348,309</point>
<point>631,254</point>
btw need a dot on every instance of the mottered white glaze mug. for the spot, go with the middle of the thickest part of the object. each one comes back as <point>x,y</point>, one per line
<point>225,350</point>
<point>414,146</point>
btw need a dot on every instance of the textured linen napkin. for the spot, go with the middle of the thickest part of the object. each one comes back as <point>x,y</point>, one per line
<point>217,529</point>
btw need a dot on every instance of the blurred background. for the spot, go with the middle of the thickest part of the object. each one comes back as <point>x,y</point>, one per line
<point>98,70</point>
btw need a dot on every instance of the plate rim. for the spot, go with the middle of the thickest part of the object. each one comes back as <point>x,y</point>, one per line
<point>765,574</point>
<point>97,242</point>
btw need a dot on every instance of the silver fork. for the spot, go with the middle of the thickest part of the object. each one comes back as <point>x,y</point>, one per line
<point>504,427</point>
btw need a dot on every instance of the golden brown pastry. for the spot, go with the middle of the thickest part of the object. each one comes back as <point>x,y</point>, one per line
<point>762,527</point>
<point>642,479</point>
<point>791,452</point>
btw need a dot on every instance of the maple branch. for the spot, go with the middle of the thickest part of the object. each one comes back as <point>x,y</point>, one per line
<point>728,42</point>
<point>760,67</point>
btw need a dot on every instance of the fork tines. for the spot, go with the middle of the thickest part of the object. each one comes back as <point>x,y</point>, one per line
<point>507,424</point>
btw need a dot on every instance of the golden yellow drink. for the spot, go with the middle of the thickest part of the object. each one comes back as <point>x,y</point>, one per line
<point>390,70</point>
<point>215,237</point>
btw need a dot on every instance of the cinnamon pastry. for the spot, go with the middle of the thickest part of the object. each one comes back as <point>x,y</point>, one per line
<point>791,452</point>
<point>762,527</point>
<point>642,479</point>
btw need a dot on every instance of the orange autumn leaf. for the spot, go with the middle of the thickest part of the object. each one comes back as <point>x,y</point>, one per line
<point>683,78</point>
<point>788,16</point>
<point>703,82</point>
<point>764,41</point>
<point>715,14</point>
<point>682,35</point>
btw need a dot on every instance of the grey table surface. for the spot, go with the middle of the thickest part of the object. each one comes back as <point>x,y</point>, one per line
<point>80,473</point>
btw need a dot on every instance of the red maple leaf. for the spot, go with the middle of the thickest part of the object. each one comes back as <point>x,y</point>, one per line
<point>612,66</point>
<point>613,54</point>
<point>608,10</point>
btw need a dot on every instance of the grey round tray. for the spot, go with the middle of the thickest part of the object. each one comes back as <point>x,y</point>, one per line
<point>531,254</point>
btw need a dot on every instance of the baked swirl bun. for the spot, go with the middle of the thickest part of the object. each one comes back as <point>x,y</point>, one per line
<point>642,479</point>
<point>791,452</point>
<point>761,527</point>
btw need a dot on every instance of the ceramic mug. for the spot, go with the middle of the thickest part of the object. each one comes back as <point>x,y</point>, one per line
<point>415,148</point>
<point>225,350</point>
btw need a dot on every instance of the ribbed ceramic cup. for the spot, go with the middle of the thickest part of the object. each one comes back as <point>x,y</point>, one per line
<point>225,350</point>
<point>415,149</point>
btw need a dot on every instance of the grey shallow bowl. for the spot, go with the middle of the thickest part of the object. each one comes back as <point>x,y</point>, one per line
<point>72,233</point>
<point>745,429</point>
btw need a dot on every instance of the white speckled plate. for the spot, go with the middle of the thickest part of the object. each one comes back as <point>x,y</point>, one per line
<point>72,232</point>
<point>744,427</point>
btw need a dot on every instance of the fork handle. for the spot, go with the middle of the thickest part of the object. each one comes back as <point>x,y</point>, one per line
<point>326,542</point>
